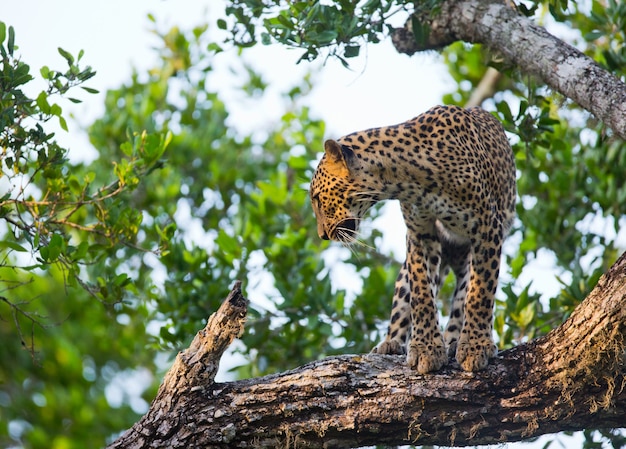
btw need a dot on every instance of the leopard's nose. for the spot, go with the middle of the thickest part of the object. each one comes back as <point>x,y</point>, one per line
<point>324,236</point>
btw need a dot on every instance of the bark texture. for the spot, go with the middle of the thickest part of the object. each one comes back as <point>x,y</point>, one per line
<point>520,42</point>
<point>573,378</point>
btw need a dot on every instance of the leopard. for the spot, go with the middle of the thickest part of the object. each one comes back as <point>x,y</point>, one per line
<point>453,172</point>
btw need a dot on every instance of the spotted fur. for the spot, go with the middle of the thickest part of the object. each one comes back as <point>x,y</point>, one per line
<point>453,172</point>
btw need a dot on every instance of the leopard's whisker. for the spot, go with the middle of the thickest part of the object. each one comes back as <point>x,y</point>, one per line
<point>367,192</point>
<point>351,238</point>
<point>348,234</point>
<point>365,245</point>
<point>348,240</point>
<point>361,243</point>
<point>351,248</point>
<point>345,235</point>
<point>366,196</point>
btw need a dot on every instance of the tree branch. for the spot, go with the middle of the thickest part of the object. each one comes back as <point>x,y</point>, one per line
<point>523,44</point>
<point>571,379</point>
<point>485,89</point>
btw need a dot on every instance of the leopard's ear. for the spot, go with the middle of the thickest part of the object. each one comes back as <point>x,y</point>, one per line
<point>333,150</point>
<point>339,154</point>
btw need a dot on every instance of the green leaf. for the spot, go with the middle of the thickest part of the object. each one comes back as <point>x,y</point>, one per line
<point>166,233</point>
<point>90,90</point>
<point>21,74</point>
<point>526,315</point>
<point>593,35</point>
<point>228,245</point>
<point>352,51</point>
<point>55,248</point>
<point>68,57</point>
<point>12,245</point>
<point>121,280</point>
<point>526,11</point>
<point>81,251</point>
<point>55,109</point>
<point>74,184</point>
<point>42,102</point>
<point>3,32</point>
<point>421,31</point>
<point>11,41</point>
<point>215,48</point>
<point>63,123</point>
<point>127,148</point>
<point>44,251</point>
<point>86,74</point>
<point>285,22</point>
<point>325,37</point>
<point>89,177</point>
<point>154,146</point>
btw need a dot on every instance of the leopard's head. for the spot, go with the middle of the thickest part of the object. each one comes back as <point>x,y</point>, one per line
<point>337,198</point>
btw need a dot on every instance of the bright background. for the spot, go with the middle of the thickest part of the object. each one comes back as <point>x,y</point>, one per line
<point>382,87</point>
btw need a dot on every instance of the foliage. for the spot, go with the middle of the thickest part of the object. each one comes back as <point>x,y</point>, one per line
<point>57,217</point>
<point>109,267</point>
<point>186,213</point>
<point>63,227</point>
<point>340,28</point>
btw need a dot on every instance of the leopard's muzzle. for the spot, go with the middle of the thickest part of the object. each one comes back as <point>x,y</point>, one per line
<point>345,231</point>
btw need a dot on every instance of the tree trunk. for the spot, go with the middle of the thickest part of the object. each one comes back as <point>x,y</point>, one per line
<point>521,43</point>
<point>571,379</point>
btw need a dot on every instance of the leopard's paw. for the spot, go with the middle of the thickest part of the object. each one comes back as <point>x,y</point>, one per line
<point>426,358</point>
<point>388,347</point>
<point>474,354</point>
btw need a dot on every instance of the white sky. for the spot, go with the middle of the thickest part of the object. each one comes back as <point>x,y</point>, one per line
<point>383,87</point>
<point>115,37</point>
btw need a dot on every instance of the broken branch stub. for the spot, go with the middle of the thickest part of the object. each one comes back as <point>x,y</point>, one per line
<point>200,361</point>
<point>197,365</point>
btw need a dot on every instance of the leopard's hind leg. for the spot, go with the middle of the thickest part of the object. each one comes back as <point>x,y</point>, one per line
<point>476,344</point>
<point>458,257</point>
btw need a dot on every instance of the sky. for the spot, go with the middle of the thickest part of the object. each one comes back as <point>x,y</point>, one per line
<point>382,87</point>
<point>115,37</point>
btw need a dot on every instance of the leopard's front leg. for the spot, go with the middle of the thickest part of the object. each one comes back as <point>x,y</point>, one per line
<point>426,350</point>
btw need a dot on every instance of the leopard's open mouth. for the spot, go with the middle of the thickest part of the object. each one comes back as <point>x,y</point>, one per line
<point>345,231</point>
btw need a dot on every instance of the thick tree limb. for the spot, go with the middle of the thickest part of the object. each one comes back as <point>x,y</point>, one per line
<point>573,378</point>
<point>523,44</point>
